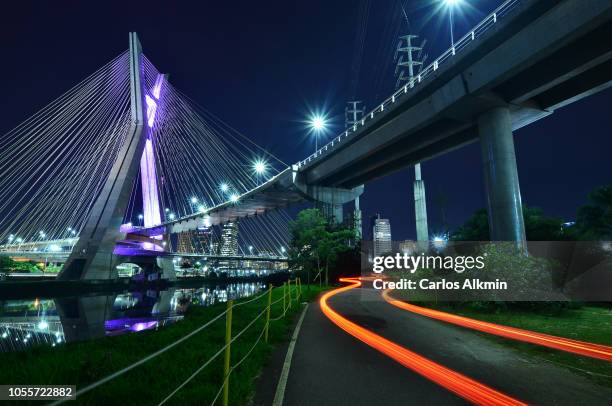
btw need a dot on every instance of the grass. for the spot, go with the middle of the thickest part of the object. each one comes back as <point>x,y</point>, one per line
<point>588,323</point>
<point>85,362</point>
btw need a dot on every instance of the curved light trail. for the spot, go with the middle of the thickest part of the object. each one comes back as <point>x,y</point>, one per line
<point>455,382</point>
<point>587,349</point>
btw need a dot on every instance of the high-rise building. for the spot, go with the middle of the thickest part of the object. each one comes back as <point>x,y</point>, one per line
<point>229,244</point>
<point>202,239</point>
<point>229,238</point>
<point>382,236</point>
<point>184,244</point>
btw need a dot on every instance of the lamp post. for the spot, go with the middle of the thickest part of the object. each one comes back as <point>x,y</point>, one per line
<point>451,4</point>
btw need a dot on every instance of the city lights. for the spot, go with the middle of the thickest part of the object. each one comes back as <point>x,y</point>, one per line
<point>234,198</point>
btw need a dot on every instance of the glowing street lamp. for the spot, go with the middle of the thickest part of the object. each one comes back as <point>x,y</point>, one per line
<point>234,198</point>
<point>318,124</point>
<point>140,217</point>
<point>202,208</point>
<point>224,187</point>
<point>171,216</point>
<point>259,167</point>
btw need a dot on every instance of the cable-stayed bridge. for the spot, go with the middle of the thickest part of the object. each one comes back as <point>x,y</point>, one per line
<point>127,160</point>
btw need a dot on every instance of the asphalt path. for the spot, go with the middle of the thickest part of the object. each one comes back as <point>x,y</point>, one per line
<point>331,367</point>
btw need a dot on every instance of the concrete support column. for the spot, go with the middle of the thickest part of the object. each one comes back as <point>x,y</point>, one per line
<point>501,176</point>
<point>420,205</point>
<point>333,211</point>
<point>357,219</point>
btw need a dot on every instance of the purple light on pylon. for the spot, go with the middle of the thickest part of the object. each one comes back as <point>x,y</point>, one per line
<point>151,109</point>
<point>157,86</point>
<point>150,195</point>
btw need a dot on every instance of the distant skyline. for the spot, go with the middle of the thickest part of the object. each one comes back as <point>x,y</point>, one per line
<point>261,67</point>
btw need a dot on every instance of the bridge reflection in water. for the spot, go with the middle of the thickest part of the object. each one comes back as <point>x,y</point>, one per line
<point>52,322</point>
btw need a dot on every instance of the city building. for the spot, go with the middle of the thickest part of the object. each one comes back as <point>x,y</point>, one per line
<point>229,244</point>
<point>382,236</point>
<point>202,238</point>
<point>184,244</point>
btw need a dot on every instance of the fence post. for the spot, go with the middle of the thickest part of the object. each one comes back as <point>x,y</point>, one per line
<point>289,291</point>
<point>228,340</point>
<point>268,312</point>
<point>284,294</point>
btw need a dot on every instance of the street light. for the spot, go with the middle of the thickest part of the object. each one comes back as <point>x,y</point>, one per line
<point>224,187</point>
<point>171,216</point>
<point>318,124</point>
<point>234,198</point>
<point>194,200</point>
<point>202,208</point>
<point>451,4</point>
<point>140,217</point>
<point>259,167</point>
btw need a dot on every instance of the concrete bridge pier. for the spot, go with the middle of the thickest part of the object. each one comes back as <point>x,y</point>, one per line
<point>501,176</point>
<point>329,199</point>
<point>357,220</point>
<point>420,205</point>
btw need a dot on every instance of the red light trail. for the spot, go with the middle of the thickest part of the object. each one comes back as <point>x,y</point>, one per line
<point>587,349</point>
<point>455,382</point>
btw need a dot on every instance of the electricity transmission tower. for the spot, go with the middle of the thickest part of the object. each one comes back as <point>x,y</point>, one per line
<point>353,114</point>
<point>409,62</point>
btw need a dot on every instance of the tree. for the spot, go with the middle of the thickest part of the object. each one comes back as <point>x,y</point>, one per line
<point>594,220</point>
<point>315,243</point>
<point>538,227</point>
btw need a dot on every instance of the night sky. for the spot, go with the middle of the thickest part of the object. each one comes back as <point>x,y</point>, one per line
<point>261,66</point>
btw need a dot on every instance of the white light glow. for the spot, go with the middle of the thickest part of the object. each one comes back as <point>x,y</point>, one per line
<point>318,123</point>
<point>260,167</point>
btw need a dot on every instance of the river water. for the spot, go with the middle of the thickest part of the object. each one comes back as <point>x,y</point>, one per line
<point>55,321</point>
